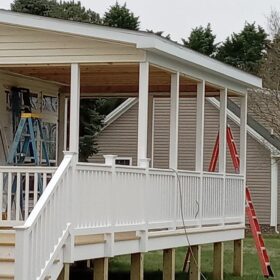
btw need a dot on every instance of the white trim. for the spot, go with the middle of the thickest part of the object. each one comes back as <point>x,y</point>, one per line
<point>274,192</point>
<point>250,130</point>
<point>142,40</point>
<point>121,109</point>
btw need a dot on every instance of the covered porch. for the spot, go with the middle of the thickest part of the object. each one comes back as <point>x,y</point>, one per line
<point>206,195</point>
<point>85,207</point>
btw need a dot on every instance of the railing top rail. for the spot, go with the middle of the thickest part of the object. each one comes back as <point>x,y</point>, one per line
<point>28,169</point>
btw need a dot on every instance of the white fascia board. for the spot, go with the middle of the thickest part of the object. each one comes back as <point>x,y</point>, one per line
<point>203,61</point>
<point>142,40</point>
<point>71,27</point>
<point>250,130</point>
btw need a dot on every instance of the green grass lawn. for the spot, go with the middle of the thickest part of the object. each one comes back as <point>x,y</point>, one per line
<point>120,266</point>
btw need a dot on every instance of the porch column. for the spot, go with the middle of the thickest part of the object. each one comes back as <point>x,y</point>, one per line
<point>150,129</point>
<point>223,131</point>
<point>174,120</point>
<point>200,126</point>
<point>243,134</point>
<point>143,110</point>
<point>74,108</point>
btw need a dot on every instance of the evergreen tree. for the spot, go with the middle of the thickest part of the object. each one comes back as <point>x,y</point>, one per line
<point>91,122</point>
<point>76,12</point>
<point>35,7</point>
<point>122,17</point>
<point>202,40</point>
<point>244,50</point>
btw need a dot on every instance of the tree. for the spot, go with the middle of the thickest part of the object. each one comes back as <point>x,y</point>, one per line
<point>244,50</point>
<point>273,23</point>
<point>202,40</point>
<point>122,17</point>
<point>76,12</point>
<point>51,8</point>
<point>91,122</point>
<point>159,33</point>
<point>35,7</point>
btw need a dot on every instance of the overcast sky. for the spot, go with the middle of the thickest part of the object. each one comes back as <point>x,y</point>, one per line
<point>178,17</point>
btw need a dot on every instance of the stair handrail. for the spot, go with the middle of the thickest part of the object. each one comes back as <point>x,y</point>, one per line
<point>23,256</point>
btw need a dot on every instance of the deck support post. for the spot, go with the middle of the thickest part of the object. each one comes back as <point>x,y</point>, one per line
<point>169,264</point>
<point>143,111</point>
<point>100,269</point>
<point>218,262</point>
<point>137,266</point>
<point>238,258</point>
<point>174,120</point>
<point>74,108</point>
<point>195,263</point>
<point>65,273</point>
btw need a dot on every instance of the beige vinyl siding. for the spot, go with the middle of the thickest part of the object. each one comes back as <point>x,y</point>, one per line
<point>19,45</point>
<point>119,138</point>
<point>258,157</point>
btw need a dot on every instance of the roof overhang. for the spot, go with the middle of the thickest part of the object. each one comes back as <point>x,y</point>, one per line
<point>141,40</point>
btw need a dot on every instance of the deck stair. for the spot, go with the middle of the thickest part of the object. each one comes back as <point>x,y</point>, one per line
<point>250,209</point>
<point>7,254</point>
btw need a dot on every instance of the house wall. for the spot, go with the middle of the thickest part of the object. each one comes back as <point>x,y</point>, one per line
<point>19,45</point>
<point>120,138</point>
<point>7,81</point>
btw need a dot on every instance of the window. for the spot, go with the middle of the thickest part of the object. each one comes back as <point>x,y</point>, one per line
<point>123,161</point>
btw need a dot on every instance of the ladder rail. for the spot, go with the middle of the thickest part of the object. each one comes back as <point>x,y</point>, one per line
<point>250,209</point>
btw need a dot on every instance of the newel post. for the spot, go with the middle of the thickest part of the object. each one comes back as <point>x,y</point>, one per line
<point>22,254</point>
<point>110,160</point>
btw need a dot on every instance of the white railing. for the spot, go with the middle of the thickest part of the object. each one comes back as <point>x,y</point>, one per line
<point>97,198</point>
<point>20,189</point>
<point>40,239</point>
<point>135,198</point>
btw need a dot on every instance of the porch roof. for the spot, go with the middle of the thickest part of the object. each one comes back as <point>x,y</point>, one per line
<point>141,40</point>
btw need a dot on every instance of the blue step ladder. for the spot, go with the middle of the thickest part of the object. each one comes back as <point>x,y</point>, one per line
<point>28,134</point>
<point>29,128</point>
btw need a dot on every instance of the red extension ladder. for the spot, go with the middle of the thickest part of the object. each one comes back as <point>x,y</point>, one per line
<point>250,210</point>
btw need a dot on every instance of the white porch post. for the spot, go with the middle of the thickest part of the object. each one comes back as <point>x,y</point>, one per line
<point>274,192</point>
<point>174,120</point>
<point>243,134</point>
<point>200,126</point>
<point>143,111</point>
<point>223,130</point>
<point>74,108</point>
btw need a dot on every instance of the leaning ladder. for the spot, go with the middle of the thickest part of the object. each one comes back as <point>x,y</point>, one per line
<point>250,209</point>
